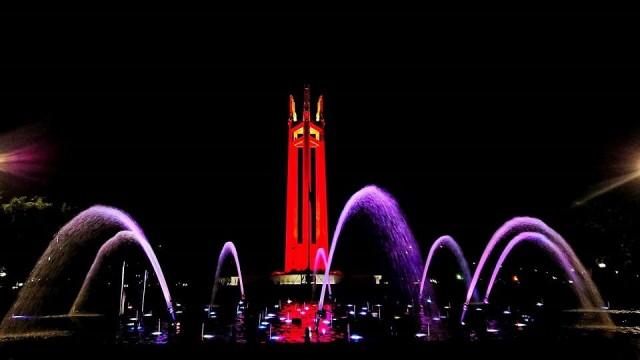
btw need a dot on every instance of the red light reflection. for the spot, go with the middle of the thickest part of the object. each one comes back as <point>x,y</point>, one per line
<point>296,318</point>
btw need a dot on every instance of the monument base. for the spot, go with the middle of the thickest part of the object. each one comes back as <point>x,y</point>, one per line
<point>280,278</point>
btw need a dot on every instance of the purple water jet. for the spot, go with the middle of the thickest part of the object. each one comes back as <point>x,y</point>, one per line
<point>558,256</point>
<point>398,241</point>
<point>507,231</point>
<point>120,240</point>
<point>228,249</point>
<point>448,242</point>
<point>518,225</point>
<point>71,252</point>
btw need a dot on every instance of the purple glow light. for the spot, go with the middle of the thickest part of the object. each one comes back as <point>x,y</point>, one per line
<point>448,242</point>
<point>24,152</point>
<point>228,249</point>
<point>21,162</point>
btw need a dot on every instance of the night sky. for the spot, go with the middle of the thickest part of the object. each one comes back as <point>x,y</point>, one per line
<point>181,120</point>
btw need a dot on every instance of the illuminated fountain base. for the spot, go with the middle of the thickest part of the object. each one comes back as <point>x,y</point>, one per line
<point>292,322</point>
<point>279,278</point>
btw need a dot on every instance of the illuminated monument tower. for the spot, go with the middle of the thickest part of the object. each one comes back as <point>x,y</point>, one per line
<point>306,225</point>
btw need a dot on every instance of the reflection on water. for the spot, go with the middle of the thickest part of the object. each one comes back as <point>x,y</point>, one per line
<point>297,323</point>
<point>144,330</point>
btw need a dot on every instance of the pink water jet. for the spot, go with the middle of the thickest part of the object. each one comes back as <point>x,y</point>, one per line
<point>320,259</point>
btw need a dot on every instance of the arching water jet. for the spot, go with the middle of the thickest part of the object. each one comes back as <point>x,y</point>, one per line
<point>320,259</point>
<point>551,241</point>
<point>512,228</point>
<point>227,249</point>
<point>558,256</point>
<point>448,242</point>
<point>121,239</point>
<point>71,252</point>
<point>398,243</point>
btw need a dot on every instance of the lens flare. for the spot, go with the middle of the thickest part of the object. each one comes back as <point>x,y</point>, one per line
<point>607,187</point>
<point>23,153</point>
<point>23,162</point>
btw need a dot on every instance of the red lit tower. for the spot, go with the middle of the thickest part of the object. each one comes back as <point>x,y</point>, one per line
<point>306,225</point>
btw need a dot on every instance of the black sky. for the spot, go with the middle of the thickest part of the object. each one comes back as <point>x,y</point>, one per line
<point>468,119</point>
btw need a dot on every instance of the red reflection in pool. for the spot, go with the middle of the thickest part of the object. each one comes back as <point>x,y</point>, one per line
<point>296,318</point>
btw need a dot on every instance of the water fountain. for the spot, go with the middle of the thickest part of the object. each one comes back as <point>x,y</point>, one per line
<point>519,225</point>
<point>125,238</point>
<point>90,242</point>
<point>559,257</point>
<point>53,282</point>
<point>397,242</point>
<point>448,242</point>
<point>105,231</point>
<point>320,259</point>
<point>228,249</point>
